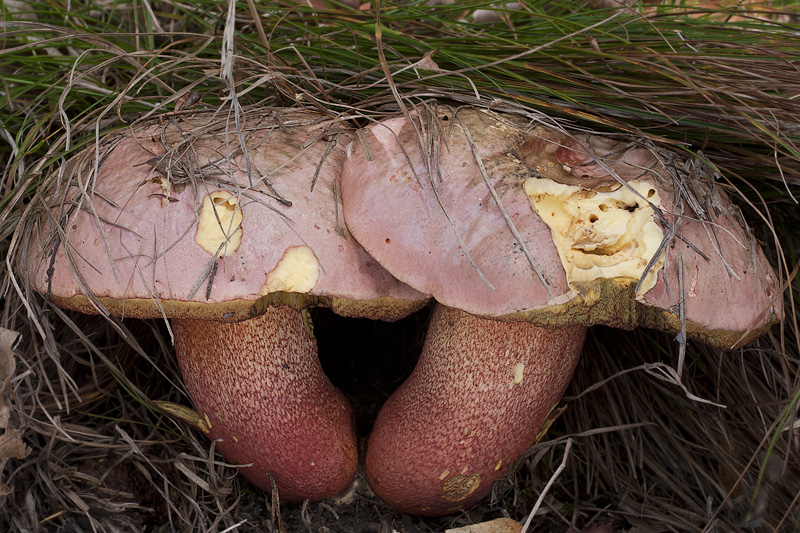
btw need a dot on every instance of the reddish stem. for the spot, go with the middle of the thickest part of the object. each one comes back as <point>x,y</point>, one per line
<point>474,404</point>
<point>261,389</point>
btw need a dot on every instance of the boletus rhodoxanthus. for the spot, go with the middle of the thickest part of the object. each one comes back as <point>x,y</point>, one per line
<point>172,219</point>
<point>525,235</point>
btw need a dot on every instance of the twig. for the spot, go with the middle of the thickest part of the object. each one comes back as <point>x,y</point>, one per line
<point>547,487</point>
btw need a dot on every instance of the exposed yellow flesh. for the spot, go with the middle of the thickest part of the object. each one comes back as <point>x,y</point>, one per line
<point>601,234</point>
<point>297,271</point>
<point>220,224</point>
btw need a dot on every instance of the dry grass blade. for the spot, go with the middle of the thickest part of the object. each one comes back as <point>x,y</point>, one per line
<point>506,216</point>
<point>555,475</point>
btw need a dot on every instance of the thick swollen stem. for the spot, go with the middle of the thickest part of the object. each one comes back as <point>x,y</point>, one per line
<point>259,387</point>
<point>472,407</point>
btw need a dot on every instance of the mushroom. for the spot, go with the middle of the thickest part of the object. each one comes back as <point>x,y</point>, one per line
<point>176,218</point>
<point>591,231</point>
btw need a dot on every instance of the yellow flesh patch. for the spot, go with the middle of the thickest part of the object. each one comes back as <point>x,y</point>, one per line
<point>297,271</point>
<point>220,224</point>
<point>459,487</point>
<point>601,234</point>
<point>519,372</point>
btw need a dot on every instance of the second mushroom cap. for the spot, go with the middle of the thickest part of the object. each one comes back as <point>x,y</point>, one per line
<point>508,219</point>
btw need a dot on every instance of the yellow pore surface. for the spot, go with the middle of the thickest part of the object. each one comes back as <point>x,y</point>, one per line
<point>609,233</point>
<point>220,224</point>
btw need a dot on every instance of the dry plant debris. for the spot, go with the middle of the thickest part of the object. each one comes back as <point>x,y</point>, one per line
<point>11,444</point>
<point>500,525</point>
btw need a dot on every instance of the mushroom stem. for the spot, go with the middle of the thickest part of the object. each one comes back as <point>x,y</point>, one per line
<point>474,404</point>
<point>261,391</point>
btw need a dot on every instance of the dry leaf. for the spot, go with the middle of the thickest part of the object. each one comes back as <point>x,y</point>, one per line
<point>8,339</point>
<point>11,445</point>
<point>501,525</point>
<point>427,62</point>
<point>187,414</point>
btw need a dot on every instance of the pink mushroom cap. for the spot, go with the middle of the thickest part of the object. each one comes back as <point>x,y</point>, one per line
<point>433,221</point>
<point>128,240</point>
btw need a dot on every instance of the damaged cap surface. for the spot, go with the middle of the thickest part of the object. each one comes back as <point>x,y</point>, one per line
<point>592,230</point>
<point>171,221</point>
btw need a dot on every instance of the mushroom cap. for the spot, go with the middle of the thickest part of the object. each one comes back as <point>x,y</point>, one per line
<point>416,197</point>
<point>162,220</point>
